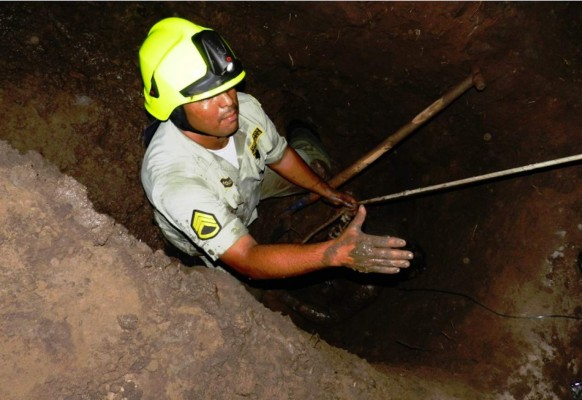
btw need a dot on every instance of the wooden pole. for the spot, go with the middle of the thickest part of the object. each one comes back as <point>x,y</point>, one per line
<point>475,79</point>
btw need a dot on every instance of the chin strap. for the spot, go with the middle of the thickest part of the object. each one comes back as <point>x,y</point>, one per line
<point>178,118</point>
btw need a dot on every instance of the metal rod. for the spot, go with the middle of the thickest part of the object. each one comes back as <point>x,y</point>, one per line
<point>479,178</point>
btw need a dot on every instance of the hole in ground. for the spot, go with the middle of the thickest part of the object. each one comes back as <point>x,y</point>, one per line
<point>360,71</point>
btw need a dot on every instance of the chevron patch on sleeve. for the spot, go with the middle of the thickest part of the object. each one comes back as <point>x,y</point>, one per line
<point>205,225</point>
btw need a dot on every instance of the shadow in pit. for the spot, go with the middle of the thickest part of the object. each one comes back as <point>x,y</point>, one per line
<point>330,296</point>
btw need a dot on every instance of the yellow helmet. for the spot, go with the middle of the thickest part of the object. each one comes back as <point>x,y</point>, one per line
<point>182,62</point>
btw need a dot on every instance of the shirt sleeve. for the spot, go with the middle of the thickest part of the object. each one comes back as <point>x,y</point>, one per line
<point>194,210</point>
<point>272,143</point>
<point>277,144</point>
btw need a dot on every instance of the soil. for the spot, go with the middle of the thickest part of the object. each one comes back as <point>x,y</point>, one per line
<point>97,306</point>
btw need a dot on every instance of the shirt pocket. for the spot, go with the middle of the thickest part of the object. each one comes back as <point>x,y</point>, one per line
<point>230,194</point>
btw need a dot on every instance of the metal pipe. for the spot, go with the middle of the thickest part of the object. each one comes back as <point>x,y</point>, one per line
<point>473,179</point>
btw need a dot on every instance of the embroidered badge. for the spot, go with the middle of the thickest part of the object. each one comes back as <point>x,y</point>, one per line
<point>226,182</point>
<point>254,139</point>
<point>205,225</point>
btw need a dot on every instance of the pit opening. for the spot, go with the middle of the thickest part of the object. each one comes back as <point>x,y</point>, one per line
<point>359,71</point>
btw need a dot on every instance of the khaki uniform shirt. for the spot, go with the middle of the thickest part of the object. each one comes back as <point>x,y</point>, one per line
<point>202,201</point>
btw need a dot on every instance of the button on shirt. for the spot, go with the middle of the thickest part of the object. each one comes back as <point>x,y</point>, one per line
<point>200,200</point>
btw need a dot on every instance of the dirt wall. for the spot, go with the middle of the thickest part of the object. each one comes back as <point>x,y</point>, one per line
<point>90,312</point>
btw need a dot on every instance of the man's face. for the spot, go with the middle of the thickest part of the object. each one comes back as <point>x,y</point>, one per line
<point>216,116</point>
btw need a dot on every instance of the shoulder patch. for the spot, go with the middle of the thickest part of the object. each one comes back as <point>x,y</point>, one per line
<point>204,225</point>
<point>254,138</point>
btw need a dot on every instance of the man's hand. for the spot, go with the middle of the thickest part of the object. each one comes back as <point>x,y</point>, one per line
<point>341,199</point>
<point>368,253</point>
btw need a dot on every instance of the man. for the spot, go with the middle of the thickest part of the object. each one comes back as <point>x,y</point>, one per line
<point>215,154</point>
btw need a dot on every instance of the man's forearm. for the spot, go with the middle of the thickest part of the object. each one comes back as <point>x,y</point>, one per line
<point>353,249</point>
<point>273,261</point>
<point>293,168</point>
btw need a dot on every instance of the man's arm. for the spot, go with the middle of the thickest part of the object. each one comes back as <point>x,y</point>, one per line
<point>353,249</point>
<point>292,167</point>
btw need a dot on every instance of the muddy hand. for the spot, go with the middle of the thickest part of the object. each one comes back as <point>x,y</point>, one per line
<point>369,253</point>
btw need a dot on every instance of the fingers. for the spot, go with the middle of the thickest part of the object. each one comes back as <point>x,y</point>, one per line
<point>385,241</point>
<point>381,266</point>
<point>379,270</point>
<point>383,262</point>
<point>370,253</point>
<point>342,199</point>
<point>349,201</point>
<point>379,254</point>
<point>391,254</point>
<point>358,219</point>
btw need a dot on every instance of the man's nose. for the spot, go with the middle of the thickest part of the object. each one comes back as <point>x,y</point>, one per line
<point>225,100</point>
